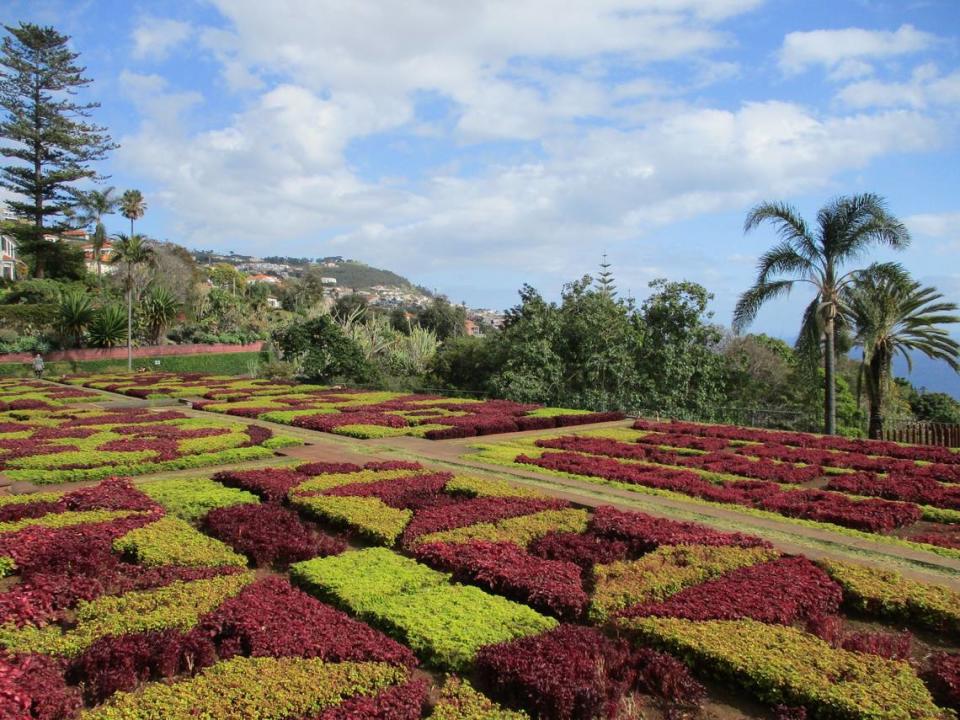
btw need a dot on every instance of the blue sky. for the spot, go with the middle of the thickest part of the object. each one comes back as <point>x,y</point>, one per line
<point>475,146</point>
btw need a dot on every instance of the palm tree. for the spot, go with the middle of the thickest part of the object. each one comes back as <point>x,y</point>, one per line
<point>94,205</point>
<point>76,313</point>
<point>892,313</point>
<point>132,206</point>
<point>131,252</point>
<point>160,308</point>
<point>108,328</point>
<point>846,226</point>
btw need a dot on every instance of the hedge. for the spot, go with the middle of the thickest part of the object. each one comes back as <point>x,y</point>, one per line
<point>784,665</point>
<point>488,487</point>
<point>518,530</point>
<point>66,519</point>
<point>217,363</point>
<point>191,499</point>
<point>264,688</point>
<point>179,605</point>
<point>664,572</point>
<point>459,701</point>
<point>888,594</point>
<point>368,516</point>
<point>444,624</point>
<point>172,541</point>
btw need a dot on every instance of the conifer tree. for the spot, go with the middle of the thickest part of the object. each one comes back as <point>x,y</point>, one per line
<point>48,133</point>
<point>605,283</point>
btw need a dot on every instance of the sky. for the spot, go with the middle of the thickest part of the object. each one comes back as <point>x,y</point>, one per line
<point>476,145</point>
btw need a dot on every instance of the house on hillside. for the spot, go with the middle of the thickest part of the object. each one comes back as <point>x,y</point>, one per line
<point>106,255</point>
<point>261,278</point>
<point>8,257</point>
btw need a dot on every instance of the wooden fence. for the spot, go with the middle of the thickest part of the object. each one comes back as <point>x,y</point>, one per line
<point>923,433</point>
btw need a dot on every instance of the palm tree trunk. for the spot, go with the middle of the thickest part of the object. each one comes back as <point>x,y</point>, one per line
<point>830,386</point>
<point>876,380</point>
<point>130,329</point>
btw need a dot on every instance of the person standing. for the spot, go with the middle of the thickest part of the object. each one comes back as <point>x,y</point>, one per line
<point>38,366</point>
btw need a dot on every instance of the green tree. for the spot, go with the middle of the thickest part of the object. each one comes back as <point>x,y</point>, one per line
<point>605,281</point>
<point>936,407</point>
<point>94,204</point>
<point>680,365</point>
<point>893,313</point>
<point>131,253</point>
<point>76,313</point>
<point>445,319</point>
<point>50,133</point>
<point>321,351</point>
<point>846,227</point>
<point>466,363</point>
<point>132,206</point>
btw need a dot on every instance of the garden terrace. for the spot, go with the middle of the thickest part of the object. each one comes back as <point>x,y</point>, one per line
<point>138,602</point>
<point>344,411</point>
<point>24,394</point>
<point>54,446</point>
<point>912,500</point>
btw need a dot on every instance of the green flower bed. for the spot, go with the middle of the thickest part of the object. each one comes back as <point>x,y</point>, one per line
<point>488,487</point>
<point>369,516</point>
<point>459,701</point>
<point>521,530</point>
<point>172,541</point>
<point>444,624</point>
<point>7,566</point>
<point>328,481</point>
<point>664,572</point>
<point>889,595</point>
<point>784,665</point>
<point>264,688</point>
<point>193,498</point>
<point>179,605</point>
<point>66,519</point>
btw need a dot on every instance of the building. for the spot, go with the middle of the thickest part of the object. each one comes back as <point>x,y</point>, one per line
<point>8,257</point>
<point>273,303</point>
<point>328,281</point>
<point>106,255</point>
<point>261,278</point>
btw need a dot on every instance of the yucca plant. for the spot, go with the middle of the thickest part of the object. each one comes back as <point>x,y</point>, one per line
<point>108,328</point>
<point>893,313</point>
<point>75,315</point>
<point>159,310</point>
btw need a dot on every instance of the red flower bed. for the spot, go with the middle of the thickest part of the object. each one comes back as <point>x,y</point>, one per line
<point>327,422</point>
<point>898,487</point>
<point>893,646</point>
<point>784,591</point>
<point>942,676</point>
<point>273,618</point>
<point>111,494</point>
<point>271,484</point>
<point>582,549</point>
<point>127,417</point>
<point>473,511</point>
<point>270,534</point>
<point>872,514</point>
<point>323,468</point>
<point>398,702</point>
<point>32,688</point>
<point>577,673</point>
<point>645,533</point>
<point>414,493</point>
<point>553,586</point>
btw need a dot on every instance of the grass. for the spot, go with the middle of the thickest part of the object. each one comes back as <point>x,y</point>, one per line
<point>214,363</point>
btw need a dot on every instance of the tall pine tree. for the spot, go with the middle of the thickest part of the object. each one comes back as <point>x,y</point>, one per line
<point>50,135</point>
<point>605,283</point>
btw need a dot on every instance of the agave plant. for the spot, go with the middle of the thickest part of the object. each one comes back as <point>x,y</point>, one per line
<point>108,328</point>
<point>159,310</point>
<point>75,315</point>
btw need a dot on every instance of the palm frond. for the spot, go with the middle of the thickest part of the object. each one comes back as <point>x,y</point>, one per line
<point>753,299</point>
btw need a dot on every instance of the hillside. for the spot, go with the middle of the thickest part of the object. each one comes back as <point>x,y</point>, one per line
<point>352,274</point>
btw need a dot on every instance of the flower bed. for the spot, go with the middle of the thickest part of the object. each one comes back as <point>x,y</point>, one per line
<point>354,413</point>
<point>71,445</point>
<point>445,624</point>
<point>24,394</point>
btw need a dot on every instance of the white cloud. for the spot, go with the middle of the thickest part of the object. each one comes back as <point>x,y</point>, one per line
<point>925,88</point>
<point>936,225</point>
<point>845,53</point>
<point>155,38</point>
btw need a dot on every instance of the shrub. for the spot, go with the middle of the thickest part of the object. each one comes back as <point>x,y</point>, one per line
<point>265,688</point>
<point>887,594</point>
<point>782,591</point>
<point>32,687</point>
<point>893,646</point>
<point>584,549</point>
<point>401,493</point>
<point>645,532</point>
<point>471,512</point>
<point>269,534</point>
<point>367,516</point>
<point>172,541</point>
<point>178,605</point>
<point>550,586</point>
<point>518,530</point>
<point>459,701</point>
<point>65,519</point>
<point>271,484</point>
<point>942,676</point>
<point>569,673</point>
<point>781,664</point>
<point>192,499</point>
<point>474,486</point>
<point>397,702</point>
<point>663,573</point>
